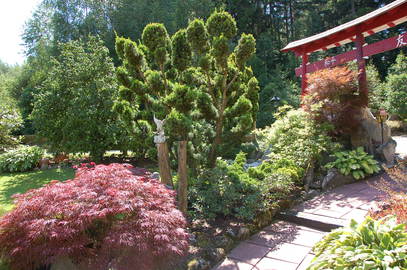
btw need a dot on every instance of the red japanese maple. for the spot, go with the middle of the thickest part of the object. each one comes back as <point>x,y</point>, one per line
<point>106,217</point>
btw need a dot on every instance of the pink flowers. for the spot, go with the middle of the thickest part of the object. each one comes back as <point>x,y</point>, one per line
<point>105,217</point>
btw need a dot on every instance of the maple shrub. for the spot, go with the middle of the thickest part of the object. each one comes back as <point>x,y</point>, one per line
<point>333,97</point>
<point>108,217</point>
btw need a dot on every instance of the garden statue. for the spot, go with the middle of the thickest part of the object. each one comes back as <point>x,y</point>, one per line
<point>160,136</point>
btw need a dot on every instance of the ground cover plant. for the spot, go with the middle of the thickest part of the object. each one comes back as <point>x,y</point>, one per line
<point>356,163</point>
<point>21,159</point>
<point>372,244</point>
<point>86,220</point>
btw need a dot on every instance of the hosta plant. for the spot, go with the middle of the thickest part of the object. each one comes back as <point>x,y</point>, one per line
<point>372,244</point>
<point>356,163</point>
<point>23,158</point>
<point>107,217</point>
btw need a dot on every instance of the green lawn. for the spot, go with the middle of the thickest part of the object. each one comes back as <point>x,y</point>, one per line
<point>12,183</point>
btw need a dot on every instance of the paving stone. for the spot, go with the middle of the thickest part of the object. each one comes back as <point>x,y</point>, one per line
<point>356,214</point>
<point>268,238</point>
<point>307,238</point>
<point>306,262</point>
<point>273,264</point>
<point>229,264</point>
<point>328,212</point>
<point>248,252</point>
<point>289,252</point>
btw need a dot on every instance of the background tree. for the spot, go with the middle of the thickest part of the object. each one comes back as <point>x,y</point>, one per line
<point>10,118</point>
<point>396,87</point>
<point>73,107</point>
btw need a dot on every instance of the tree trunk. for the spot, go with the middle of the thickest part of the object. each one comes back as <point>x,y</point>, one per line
<point>216,142</point>
<point>182,177</point>
<point>164,163</point>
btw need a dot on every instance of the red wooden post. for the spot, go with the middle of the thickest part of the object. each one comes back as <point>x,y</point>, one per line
<point>363,91</point>
<point>304,74</point>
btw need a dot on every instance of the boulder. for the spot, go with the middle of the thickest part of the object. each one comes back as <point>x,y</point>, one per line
<point>309,177</point>
<point>387,152</point>
<point>335,179</point>
<point>369,133</point>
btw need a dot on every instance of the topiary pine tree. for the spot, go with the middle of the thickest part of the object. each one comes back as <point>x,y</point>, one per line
<point>229,92</point>
<point>190,78</point>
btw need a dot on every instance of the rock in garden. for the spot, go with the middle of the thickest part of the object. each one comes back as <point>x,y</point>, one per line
<point>155,175</point>
<point>387,152</point>
<point>335,179</point>
<point>243,233</point>
<point>311,194</point>
<point>252,165</point>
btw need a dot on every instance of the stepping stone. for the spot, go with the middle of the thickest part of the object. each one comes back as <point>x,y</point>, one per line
<point>273,264</point>
<point>248,253</point>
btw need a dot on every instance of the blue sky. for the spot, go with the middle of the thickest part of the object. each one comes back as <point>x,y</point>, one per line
<point>13,15</point>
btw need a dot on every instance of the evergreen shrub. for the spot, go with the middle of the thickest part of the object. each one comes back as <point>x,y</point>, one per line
<point>107,217</point>
<point>229,190</point>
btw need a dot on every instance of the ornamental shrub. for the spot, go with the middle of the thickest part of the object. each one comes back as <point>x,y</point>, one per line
<point>228,190</point>
<point>296,137</point>
<point>333,97</point>
<point>380,244</point>
<point>108,217</point>
<point>355,162</point>
<point>21,159</point>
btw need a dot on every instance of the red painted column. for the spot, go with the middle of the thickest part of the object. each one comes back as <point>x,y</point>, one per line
<point>363,91</point>
<point>304,74</point>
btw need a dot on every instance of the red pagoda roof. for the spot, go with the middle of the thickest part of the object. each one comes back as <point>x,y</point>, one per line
<point>388,16</point>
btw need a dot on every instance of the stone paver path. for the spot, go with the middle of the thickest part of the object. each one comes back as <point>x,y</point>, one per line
<point>286,245</point>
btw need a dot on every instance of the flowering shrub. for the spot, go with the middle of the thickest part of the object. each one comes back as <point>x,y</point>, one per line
<point>106,217</point>
<point>21,159</point>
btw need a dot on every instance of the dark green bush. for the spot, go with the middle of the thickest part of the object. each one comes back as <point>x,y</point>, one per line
<point>24,158</point>
<point>230,190</point>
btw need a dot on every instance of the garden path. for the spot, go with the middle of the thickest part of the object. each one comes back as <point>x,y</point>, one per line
<point>286,244</point>
<point>401,148</point>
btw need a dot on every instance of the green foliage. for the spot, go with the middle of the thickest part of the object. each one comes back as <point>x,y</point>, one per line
<point>192,80</point>
<point>21,159</point>
<point>396,87</point>
<point>295,136</point>
<point>73,107</point>
<point>355,162</point>
<point>380,244</point>
<point>230,190</point>
<point>221,23</point>
<point>10,120</point>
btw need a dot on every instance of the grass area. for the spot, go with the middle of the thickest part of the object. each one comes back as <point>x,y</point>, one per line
<point>12,183</point>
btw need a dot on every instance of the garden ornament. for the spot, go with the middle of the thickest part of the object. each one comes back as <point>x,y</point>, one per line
<point>160,136</point>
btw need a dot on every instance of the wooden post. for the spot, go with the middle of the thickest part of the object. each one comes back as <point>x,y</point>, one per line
<point>182,177</point>
<point>363,91</point>
<point>164,163</point>
<point>304,74</point>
